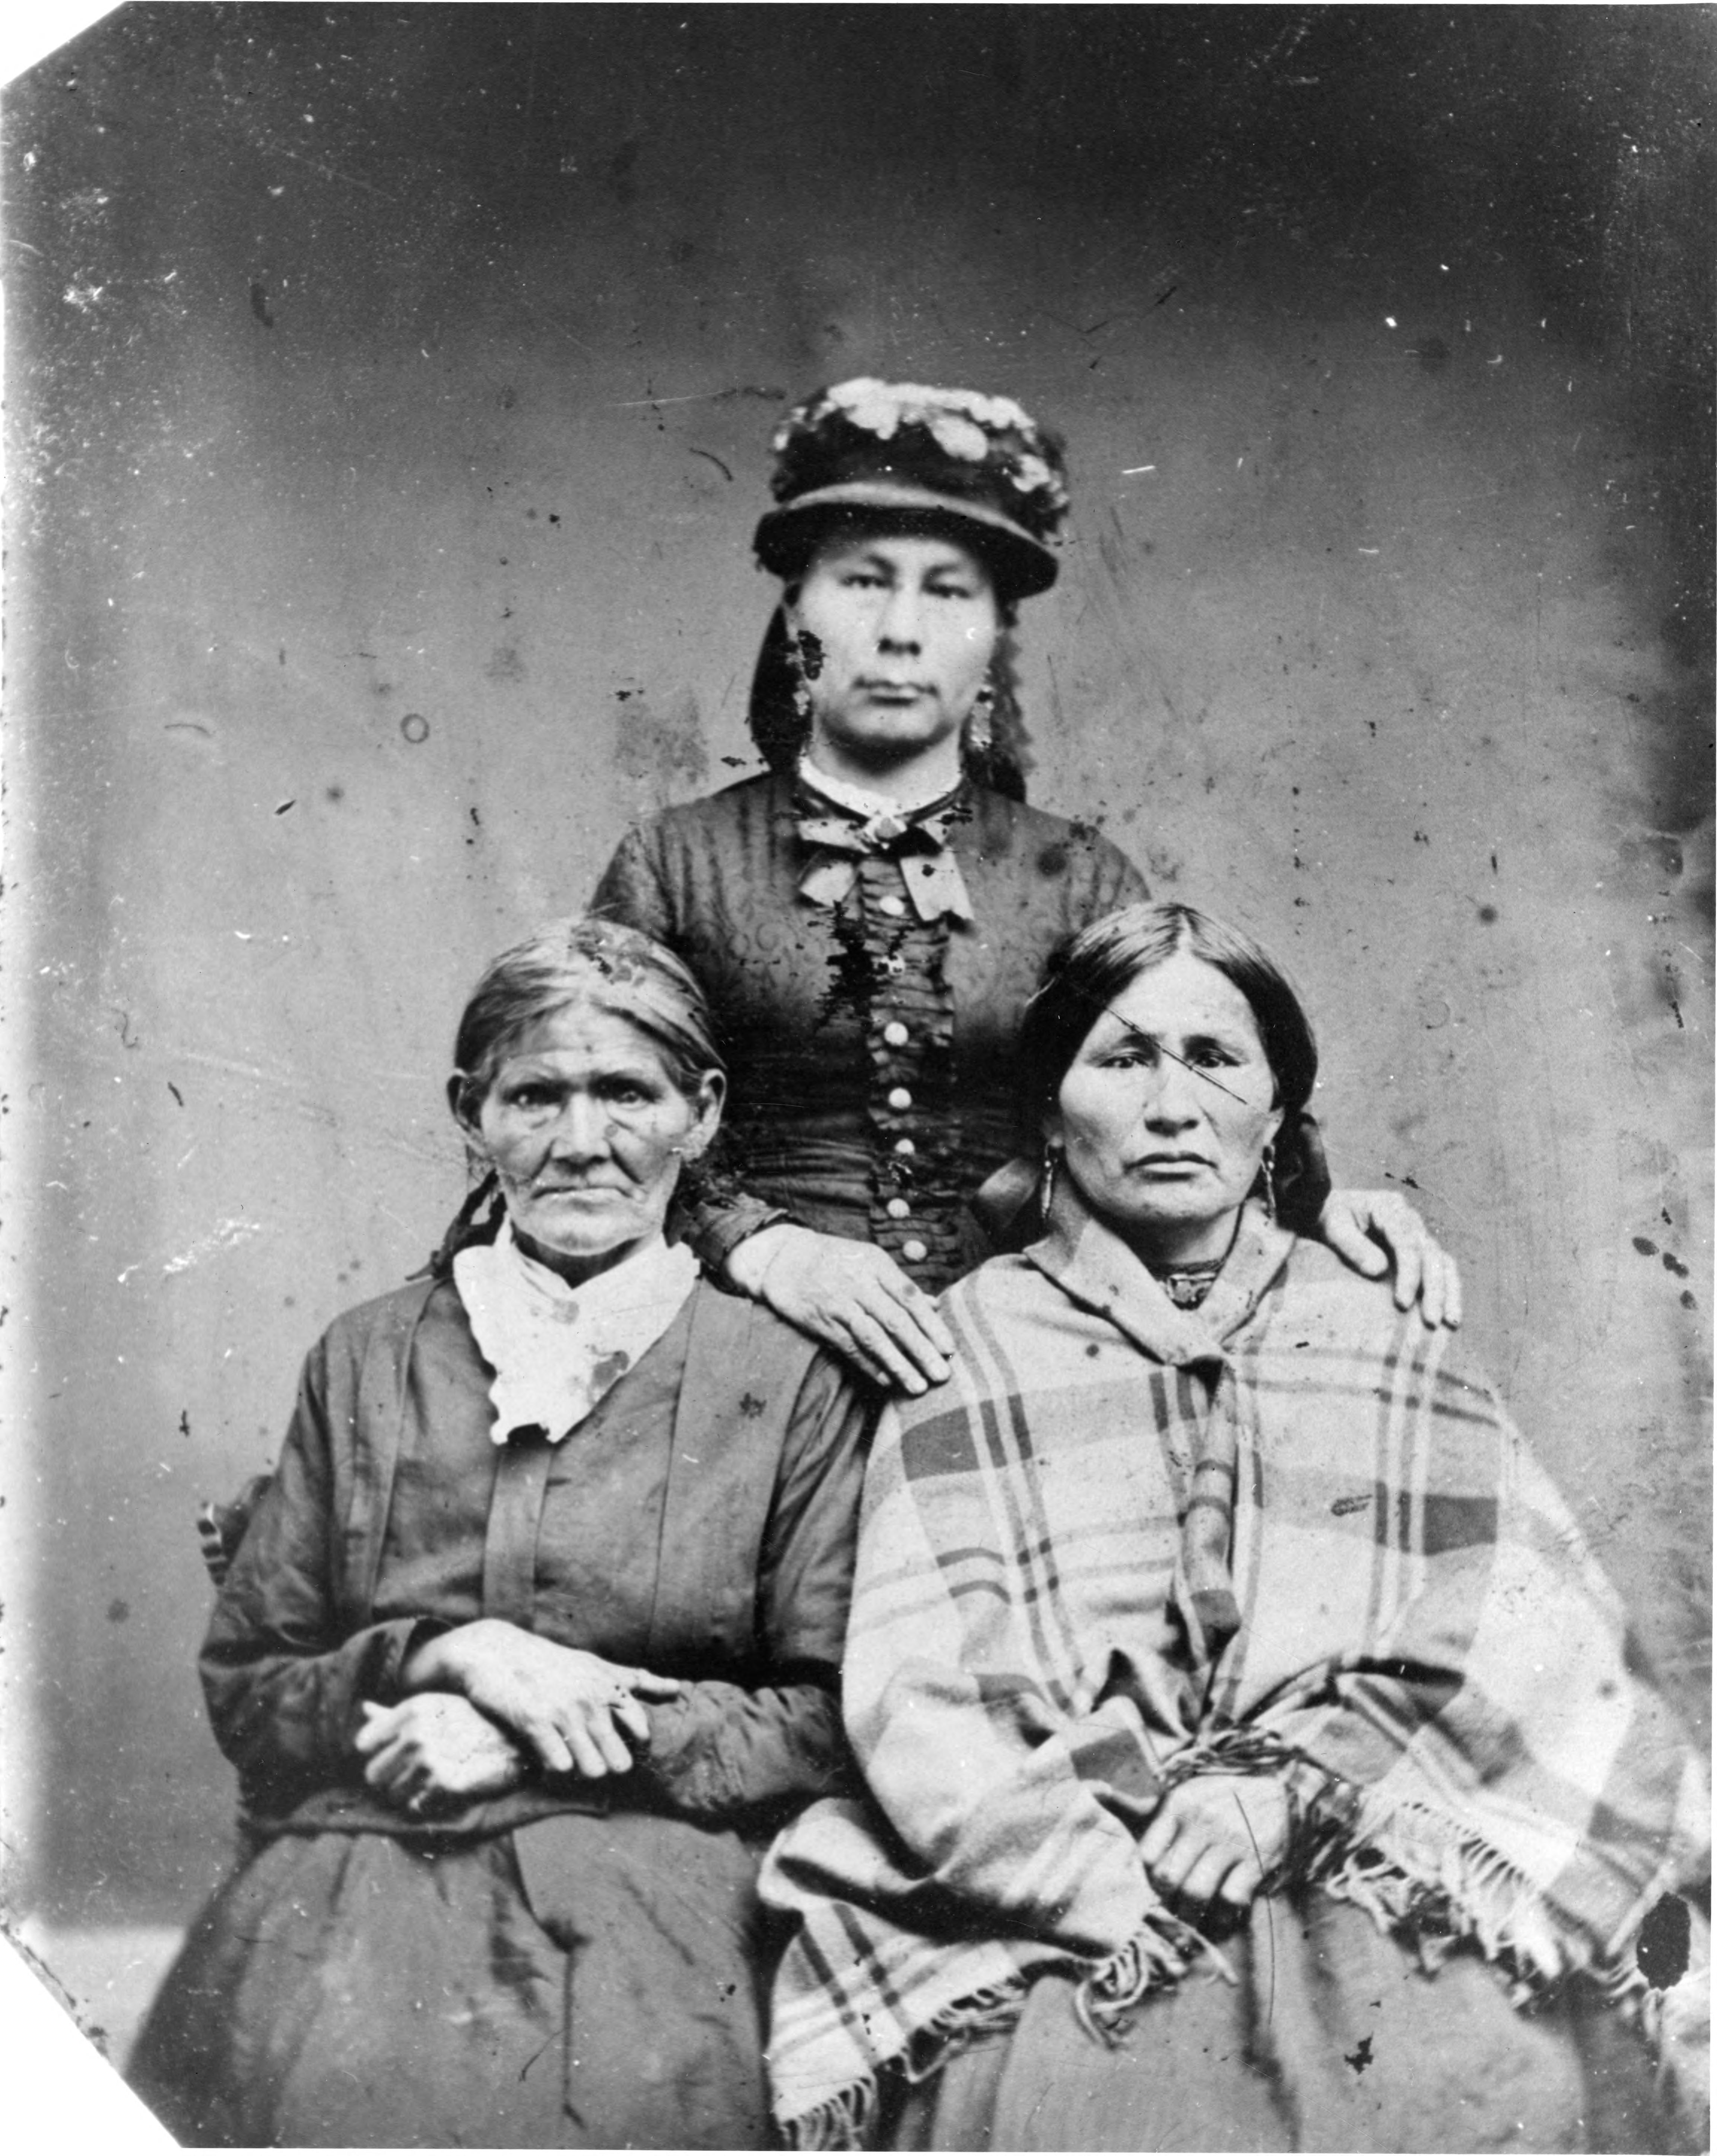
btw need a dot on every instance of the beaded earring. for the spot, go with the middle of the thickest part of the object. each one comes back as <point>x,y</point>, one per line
<point>1269,1172</point>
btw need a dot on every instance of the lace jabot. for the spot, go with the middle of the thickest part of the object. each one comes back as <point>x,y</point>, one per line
<point>556,1349</point>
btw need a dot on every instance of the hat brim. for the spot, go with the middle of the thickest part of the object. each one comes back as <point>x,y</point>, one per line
<point>786,537</point>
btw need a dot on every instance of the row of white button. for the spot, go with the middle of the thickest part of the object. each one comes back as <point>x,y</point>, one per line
<point>896,1036</point>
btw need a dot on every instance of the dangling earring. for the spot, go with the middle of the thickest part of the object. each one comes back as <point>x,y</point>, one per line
<point>980,720</point>
<point>805,652</point>
<point>1046,1183</point>
<point>1269,1180</point>
<point>801,687</point>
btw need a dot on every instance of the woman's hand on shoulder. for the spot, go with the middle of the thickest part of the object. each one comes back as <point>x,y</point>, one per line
<point>1217,1838</point>
<point>850,1296</point>
<point>571,1710</point>
<point>436,1748</point>
<point>1367,1228</point>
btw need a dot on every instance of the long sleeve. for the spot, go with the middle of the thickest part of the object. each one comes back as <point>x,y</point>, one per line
<point>283,1687</point>
<point>1120,883</point>
<point>716,1213</point>
<point>631,891</point>
<point>728,1750</point>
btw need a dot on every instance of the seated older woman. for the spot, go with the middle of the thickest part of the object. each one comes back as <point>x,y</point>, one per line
<point>529,1645</point>
<point>1213,1621</point>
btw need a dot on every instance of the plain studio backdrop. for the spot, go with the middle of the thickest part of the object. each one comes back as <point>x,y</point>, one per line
<point>390,390</point>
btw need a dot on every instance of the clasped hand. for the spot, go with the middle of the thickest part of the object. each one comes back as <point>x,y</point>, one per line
<point>436,1748</point>
<point>1217,1838</point>
<point>571,1712</point>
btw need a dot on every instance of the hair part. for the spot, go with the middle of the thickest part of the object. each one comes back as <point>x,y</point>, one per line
<point>584,959</point>
<point>1089,972</point>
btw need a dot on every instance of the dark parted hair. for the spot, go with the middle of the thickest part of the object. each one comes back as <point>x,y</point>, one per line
<point>1093,968</point>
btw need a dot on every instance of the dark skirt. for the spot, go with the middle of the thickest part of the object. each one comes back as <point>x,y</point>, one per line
<point>577,1983</point>
<point>1332,2038</point>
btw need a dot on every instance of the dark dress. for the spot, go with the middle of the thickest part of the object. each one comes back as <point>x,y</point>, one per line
<point>579,1965</point>
<point>871,1053</point>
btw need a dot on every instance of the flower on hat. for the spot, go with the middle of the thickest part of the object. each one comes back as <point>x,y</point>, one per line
<point>1031,476</point>
<point>960,436</point>
<point>878,407</point>
<point>961,416</point>
<point>966,426</point>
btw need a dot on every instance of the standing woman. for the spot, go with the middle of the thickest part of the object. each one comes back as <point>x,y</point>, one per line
<point>870,917</point>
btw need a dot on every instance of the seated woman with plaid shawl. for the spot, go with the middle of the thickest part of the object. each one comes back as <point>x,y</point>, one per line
<point>1257,1758</point>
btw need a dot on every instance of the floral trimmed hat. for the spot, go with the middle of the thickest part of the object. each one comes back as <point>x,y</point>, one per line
<point>978,468</point>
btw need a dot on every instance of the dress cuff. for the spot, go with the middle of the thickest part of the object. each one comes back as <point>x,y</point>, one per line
<point>716,1233</point>
<point>403,1640</point>
<point>681,1763</point>
<point>374,1658</point>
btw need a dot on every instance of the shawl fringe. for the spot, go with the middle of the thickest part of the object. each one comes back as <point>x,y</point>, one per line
<point>1151,1959</point>
<point>842,2121</point>
<point>1414,1870</point>
<point>1410,1870</point>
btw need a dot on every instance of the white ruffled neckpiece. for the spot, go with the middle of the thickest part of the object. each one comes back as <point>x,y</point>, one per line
<point>556,1349</point>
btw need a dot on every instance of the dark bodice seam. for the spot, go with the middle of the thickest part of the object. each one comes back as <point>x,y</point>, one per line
<point>513,1528</point>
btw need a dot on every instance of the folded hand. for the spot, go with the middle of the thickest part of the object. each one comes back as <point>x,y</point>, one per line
<point>1217,1837</point>
<point>566,1706</point>
<point>435,1746</point>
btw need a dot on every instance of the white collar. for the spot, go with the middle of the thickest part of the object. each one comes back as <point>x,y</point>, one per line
<point>556,1349</point>
<point>859,799</point>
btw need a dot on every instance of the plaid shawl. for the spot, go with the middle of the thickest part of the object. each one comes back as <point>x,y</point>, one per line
<point>1289,1533</point>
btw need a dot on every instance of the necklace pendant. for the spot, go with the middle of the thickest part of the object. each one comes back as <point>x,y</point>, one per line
<point>1186,1286</point>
